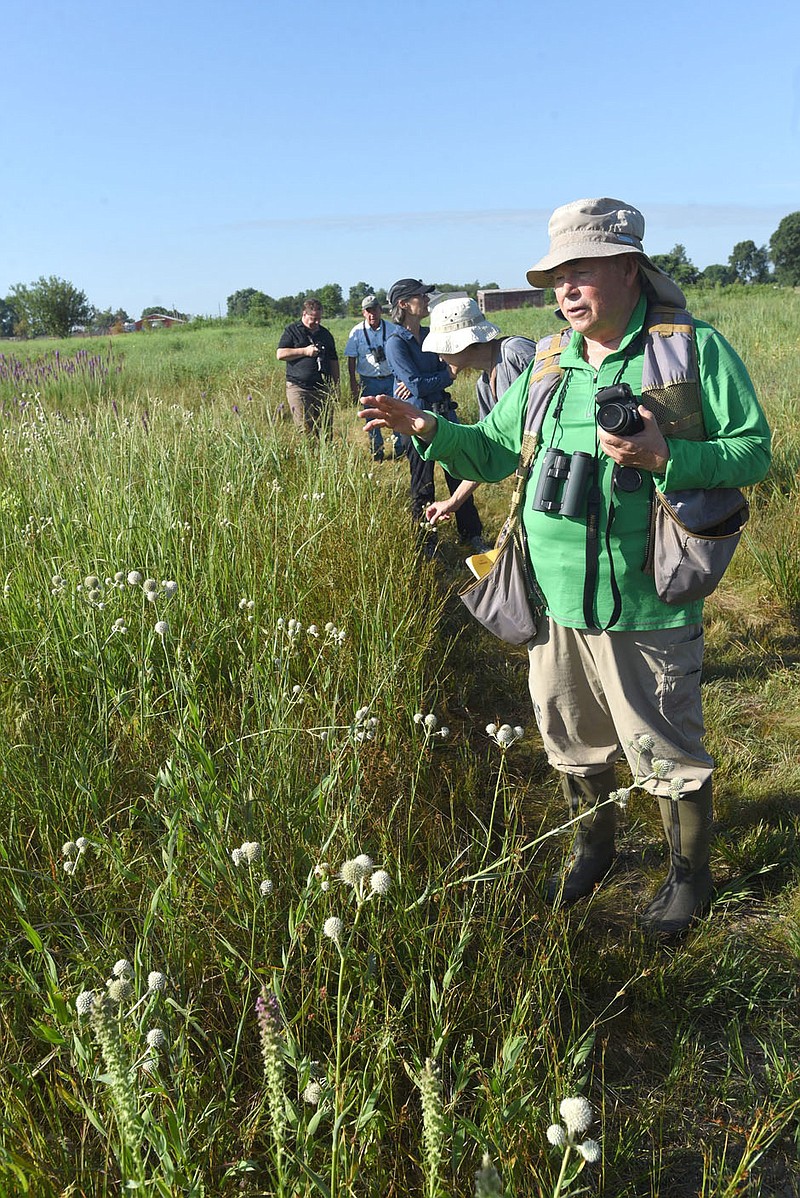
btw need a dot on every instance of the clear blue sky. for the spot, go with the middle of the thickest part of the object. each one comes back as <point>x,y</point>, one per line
<point>173,153</point>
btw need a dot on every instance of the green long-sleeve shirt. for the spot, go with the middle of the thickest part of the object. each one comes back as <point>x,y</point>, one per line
<point>736,454</point>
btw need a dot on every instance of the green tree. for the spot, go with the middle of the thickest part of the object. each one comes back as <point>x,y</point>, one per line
<point>784,250</point>
<point>260,310</point>
<point>749,262</point>
<point>355,295</point>
<point>239,303</point>
<point>677,265</point>
<point>718,275</point>
<point>51,307</point>
<point>332,300</point>
<point>8,317</point>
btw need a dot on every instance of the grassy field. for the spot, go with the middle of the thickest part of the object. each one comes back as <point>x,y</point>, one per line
<point>272,894</point>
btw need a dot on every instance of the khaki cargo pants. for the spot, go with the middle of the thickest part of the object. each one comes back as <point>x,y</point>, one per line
<point>595,692</point>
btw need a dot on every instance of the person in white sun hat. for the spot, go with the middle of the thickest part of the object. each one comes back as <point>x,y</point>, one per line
<point>638,397</point>
<point>463,338</point>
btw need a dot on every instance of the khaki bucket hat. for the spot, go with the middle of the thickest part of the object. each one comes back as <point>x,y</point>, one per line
<point>601,228</point>
<point>457,323</point>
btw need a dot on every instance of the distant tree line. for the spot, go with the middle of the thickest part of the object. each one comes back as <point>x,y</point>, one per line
<point>748,263</point>
<point>53,307</point>
<point>258,308</point>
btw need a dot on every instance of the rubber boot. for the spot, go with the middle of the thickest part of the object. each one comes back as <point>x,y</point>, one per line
<point>686,893</point>
<point>593,848</point>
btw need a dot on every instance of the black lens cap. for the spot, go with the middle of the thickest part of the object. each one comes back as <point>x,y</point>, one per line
<point>627,478</point>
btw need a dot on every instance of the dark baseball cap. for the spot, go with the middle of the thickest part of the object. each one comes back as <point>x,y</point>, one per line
<point>405,288</point>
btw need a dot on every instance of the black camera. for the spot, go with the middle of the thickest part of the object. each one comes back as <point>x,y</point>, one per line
<point>618,411</point>
<point>378,354</point>
<point>572,471</point>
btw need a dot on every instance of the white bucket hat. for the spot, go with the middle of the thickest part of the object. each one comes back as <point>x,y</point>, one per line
<point>601,229</point>
<point>455,324</point>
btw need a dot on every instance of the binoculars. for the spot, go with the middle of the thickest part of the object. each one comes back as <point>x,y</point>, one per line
<point>563,482</point>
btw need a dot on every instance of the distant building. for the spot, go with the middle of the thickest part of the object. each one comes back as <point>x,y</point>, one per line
<point>156,320</point>
<point>494,299</point>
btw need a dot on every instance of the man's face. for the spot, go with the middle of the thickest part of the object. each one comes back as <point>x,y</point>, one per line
<point>373,317</point>
<point>597,295</point>
<point>311,318</point>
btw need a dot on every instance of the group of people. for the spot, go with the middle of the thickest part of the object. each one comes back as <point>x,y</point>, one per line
<point>614,670</point>
<point>403,358</point>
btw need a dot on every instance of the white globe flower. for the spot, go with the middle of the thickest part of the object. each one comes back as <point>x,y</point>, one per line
<point>70,848</point>
<point>577,1115</point>
<point>156,980</point>
<point>556,1135</point>
<point>161,628</point>
<point>122,968</point>
<point>380,883</point>
<point>134,578</point>
<point>267,886</point>
<point>119,989</point>
<point>333,928</point>
<point>84,1002</point>
<point>590,1151</point>
<point>312,1094</point>
<point>156,1038</point>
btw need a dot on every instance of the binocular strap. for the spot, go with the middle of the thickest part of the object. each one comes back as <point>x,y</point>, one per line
<point>593,504</point>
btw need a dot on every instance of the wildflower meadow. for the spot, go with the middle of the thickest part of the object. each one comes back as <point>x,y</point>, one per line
<point>277,821</point>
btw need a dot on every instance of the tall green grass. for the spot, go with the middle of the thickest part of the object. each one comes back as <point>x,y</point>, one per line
<point>215,641</point>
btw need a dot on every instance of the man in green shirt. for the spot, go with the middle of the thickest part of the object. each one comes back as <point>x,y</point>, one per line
<point>614,670</point>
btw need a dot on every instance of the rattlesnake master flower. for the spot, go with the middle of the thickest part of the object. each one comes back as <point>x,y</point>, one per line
<point>170,587</point>
<point>577,1115</point>
<point>676,787</point>
<point>661,767</point>
<point>237,857</point>
<point>91,582</point>
<point>82,844</point>
<point>84,1002</point>
<point>266,887</point>
<point>69,867</point>
<point>149,586</point>
<point>161,628</point>
<point>251,850</point>
<point>122,968</point>
<point>590,1151</point>
<point>333,928</point>
<point>645,742</point>
<point>70,848</point>
<point>156,1038</point>
<point>313,1094</point>
<point>621,796</point>
<point>556,1135</point>
<point>156,980</point>
<point>351,873</point>
<point>119,989</point>
<point>380,883</point>
<point>505,736</point>
<point>134,578</point>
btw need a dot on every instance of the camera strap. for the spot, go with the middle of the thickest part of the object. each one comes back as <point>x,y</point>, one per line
<point>594,503</point>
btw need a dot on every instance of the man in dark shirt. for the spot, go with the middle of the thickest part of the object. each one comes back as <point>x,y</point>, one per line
<point>312,370</point>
